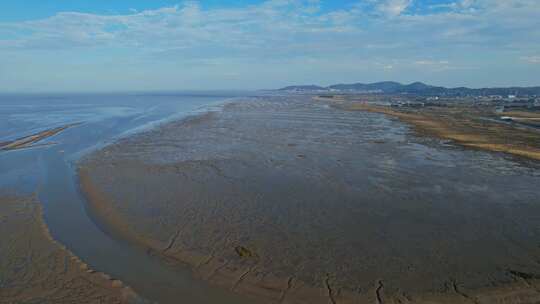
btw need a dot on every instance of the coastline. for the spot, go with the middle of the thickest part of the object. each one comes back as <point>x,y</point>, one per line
<point>494,138</point>
<point>242,275</point>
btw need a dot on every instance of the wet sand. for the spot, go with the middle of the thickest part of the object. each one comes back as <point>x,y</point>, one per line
<point>291,201</point>
<point>36,269</point>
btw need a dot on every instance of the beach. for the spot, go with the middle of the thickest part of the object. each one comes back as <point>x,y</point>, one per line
<point>284,199</point>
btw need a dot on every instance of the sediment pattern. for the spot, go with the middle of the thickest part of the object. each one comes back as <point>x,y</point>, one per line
<point>36,269</point>
<point>294,201</point>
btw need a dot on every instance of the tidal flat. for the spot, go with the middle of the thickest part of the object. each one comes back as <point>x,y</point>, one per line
<point>38,184</point>
<point>288,200</point>
<point>36,269</point>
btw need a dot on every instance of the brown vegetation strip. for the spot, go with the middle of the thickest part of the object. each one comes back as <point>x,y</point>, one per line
<point>462,127</point>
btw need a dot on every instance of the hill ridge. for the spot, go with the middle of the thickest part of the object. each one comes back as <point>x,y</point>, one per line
<point>416,88</point>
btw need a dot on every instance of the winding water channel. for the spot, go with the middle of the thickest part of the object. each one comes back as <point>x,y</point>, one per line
<point>49,171</point>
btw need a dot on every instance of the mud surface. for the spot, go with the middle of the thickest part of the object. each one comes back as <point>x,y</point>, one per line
<point>36,269</point>
<point>295,201</point>
<point>48,171</point>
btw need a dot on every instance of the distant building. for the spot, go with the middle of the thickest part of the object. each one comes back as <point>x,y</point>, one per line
<point>512,96</point>
<point>518,105</point>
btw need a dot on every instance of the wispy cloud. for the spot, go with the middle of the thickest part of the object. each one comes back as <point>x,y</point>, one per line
<point>393,8</point>
<point>432,62</point>
<point>285,32</point>
<point>282,23</point>
<point>531,59</point>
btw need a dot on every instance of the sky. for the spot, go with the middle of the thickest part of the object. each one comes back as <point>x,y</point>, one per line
<point>136,45</point>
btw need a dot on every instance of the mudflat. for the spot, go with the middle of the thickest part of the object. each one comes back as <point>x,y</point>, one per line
<point>34,268</point>
<point>294,201</point>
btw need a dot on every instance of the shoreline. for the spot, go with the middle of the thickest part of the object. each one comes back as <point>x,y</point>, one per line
<point>243,275</point>
<point>426,124</point>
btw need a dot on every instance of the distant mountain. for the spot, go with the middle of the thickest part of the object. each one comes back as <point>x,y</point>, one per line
<point>385,86</point>
<point>416,88</point>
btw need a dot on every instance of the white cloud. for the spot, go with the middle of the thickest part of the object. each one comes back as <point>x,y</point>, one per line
<point>431,62</point>
<point>287,24</point>
<point>434,65</point>
<point>393,8</point>
<point>531,59</point>
<point>392,34</point>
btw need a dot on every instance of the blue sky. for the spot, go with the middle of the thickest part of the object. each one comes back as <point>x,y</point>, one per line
<point>103,45</point>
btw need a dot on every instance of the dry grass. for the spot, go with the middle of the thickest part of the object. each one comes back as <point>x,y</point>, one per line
<point>464,126</point>
<point>34,268</point>
<point>522,114</point>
